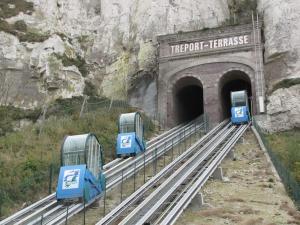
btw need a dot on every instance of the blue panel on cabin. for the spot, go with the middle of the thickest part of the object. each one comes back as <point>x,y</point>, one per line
<point>71,182</point>
<point>239,115</point>
<point>126,143</point>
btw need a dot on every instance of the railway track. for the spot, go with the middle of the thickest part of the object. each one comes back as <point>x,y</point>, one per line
<point>178,183</point>
<point>49,211</point>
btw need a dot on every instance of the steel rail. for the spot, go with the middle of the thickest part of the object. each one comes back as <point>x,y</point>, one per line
<point>190,181</point>
<point>155,200</point>
<point>140,193</point>
<point>38,207</point>
<point>140,159</point>
<point>79,207</point>
<point>189,194</point>
<point>128,169</point>
<point>49,200</point>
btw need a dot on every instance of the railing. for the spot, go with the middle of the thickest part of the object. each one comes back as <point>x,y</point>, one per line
<point>291,185</point>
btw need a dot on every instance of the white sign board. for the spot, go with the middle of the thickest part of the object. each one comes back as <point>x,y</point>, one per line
<point>198,46</point>
<point>126,141</point>
<point>71,179</point>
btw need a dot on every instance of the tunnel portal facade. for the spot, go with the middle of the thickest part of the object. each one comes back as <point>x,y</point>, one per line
<point>199,69</point>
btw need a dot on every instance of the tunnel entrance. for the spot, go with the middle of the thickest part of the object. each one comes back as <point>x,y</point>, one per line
<point>233,81</point>
<point>188,94</point>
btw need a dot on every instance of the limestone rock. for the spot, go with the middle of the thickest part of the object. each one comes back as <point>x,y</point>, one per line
<point>40,55</point>
<point>282,38</point>
<point>104,31</point>
<point>283,110</point>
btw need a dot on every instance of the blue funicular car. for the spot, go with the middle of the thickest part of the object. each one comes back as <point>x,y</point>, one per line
<point>81,174</point>
<point>130,140</point>
<point>240,112</point>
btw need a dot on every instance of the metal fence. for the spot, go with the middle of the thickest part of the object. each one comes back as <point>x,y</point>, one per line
<point>79,108</point>
<point>291,185</point>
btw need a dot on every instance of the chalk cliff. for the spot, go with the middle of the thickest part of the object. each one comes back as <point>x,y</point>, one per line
<point>53,49</point>
<point>281,20</point>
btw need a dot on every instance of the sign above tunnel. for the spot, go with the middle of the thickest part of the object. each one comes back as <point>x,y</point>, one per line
<point>209,41</point>
<point>220,43</point>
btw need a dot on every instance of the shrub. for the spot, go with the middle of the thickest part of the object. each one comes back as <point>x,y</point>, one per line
<point>26,156</point>
<point>9,115</point>
<point>33,37</point>
<point>4,26</point>
<point>286,83</point>
<point>20,25</point>
<point>79,62</point>
<point>90,89</point>
<point>19,6</point>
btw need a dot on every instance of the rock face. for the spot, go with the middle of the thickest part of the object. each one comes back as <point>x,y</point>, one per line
<point>111,44</point>
<point>115,38</point>
<point>282,61</point>
<point>283,110</point>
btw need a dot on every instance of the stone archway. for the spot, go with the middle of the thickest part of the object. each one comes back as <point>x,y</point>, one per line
<point>188,102</point>
<point>234,80</point>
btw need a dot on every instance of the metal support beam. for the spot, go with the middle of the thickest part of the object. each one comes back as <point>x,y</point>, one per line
<point>218,174</point>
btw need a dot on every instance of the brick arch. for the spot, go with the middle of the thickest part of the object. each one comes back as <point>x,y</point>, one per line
<point>171,78</point>
<point>242,68</point>
<point>243,62</point>
<point>180,85</point>
<point>242,73</point>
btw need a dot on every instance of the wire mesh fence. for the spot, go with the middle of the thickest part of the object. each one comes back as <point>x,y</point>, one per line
<point>291,185</point>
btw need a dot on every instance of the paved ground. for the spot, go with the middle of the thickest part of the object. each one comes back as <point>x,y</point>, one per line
<point>249,195</point>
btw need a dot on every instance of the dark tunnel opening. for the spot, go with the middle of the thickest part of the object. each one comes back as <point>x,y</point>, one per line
<point>189,103</point>
<point>236,82</point>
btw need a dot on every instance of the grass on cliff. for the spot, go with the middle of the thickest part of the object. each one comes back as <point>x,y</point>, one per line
<point>26,156</point>
<point>10,115</point>
<point>286,83</point>
<point>19,29</point>
<point>287,146</point>
<point>10,8</point>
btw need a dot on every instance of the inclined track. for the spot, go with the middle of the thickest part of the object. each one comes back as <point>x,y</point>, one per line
<point>184,175</point>
<point>49,211</point>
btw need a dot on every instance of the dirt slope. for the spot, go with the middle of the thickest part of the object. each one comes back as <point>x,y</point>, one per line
<point>249,195</point>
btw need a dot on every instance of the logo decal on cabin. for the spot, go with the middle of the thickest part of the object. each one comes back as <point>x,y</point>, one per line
<point>126,141</point>
<point>239,112</point>
<point>71,179</point>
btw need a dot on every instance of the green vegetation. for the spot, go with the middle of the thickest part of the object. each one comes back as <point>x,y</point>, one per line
<point>286,83</point>
<point>33,36</point>
<point>90,89</point>
<point>84,42</point>
<point>241,11</point>
<point>9,8</point>
<point>27,155</point>
<point>79,62</point>
<point>19,29</point>
<point>9,115</point>
<point>286,145</point>
<point>20,25</point>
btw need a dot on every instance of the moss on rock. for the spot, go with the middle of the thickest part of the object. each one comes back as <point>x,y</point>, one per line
<point>286,83</point>
<point>241,11</point>
<point>78,61</point>
<point>10,8</point>
<point>19,29</point>
<point>20,25</point>
<point>11,114</point>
